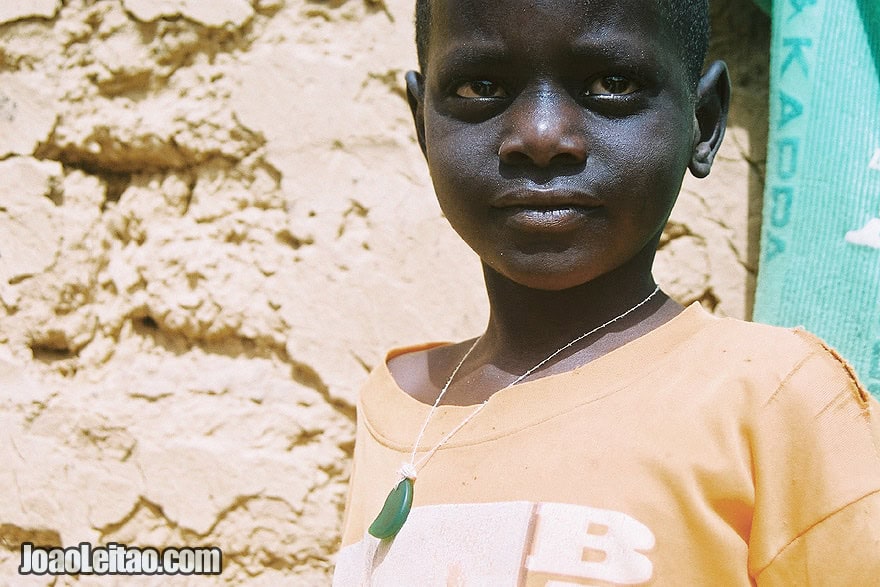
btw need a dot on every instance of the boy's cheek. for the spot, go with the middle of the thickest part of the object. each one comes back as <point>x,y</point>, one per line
<point>450,136</point>
<point>460,157</point>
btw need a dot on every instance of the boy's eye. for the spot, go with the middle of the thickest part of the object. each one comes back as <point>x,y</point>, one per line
<point>480,89</point>
<point>610,85</point>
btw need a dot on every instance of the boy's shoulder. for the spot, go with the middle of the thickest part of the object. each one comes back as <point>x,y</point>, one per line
<point>781,358</point>
<point>778,344</point>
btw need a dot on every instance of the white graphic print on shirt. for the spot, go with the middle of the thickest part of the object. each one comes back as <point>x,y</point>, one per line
<point>512,543</point>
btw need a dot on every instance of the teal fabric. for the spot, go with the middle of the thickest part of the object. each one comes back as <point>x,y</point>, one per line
<point>820,242</point>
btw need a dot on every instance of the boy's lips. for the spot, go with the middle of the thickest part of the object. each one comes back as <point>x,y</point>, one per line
<point>538,199</point>
<point>546,210</point>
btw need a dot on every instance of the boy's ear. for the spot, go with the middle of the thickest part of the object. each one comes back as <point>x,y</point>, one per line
<point>713,103</point>
<point>415,95</point>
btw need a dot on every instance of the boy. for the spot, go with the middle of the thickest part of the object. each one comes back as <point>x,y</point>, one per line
<point>596,432</point>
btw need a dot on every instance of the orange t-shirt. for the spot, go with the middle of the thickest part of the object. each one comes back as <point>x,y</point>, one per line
<point>707,452</point>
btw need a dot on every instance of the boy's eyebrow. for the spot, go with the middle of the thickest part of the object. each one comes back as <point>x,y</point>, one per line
<point>620,44</point>
<point>482,51</point>
<point>615,50</point>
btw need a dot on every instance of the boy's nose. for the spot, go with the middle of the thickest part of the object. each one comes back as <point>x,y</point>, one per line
<point>544,130</point>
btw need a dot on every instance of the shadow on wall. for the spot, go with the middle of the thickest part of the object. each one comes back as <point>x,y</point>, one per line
<point>741,36</point>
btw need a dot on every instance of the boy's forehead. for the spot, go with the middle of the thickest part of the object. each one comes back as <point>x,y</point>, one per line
<point>544,22</point>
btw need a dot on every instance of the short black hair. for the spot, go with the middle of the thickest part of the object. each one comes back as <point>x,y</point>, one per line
<point>688,18</point>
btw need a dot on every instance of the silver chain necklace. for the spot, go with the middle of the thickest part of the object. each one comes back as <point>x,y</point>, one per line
<point>399,501</point>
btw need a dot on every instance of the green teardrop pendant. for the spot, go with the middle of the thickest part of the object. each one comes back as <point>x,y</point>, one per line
<point>395,511</point>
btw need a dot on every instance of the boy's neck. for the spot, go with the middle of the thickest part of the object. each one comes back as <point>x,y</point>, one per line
<point>529,323</point>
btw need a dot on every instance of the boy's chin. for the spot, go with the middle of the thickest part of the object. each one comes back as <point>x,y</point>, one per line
<point>549,280</point>
<point>560,271</point>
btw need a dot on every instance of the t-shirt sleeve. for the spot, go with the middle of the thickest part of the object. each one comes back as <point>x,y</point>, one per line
<point>843,549</point>
<point>816,466</point>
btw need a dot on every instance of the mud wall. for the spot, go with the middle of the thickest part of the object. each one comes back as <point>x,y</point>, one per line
<point>213,219</point>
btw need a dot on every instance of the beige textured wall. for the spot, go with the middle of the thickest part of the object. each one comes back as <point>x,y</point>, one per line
<point>213,220</point>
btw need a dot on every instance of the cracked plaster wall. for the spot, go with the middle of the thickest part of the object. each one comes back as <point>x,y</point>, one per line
<point>213,220</point>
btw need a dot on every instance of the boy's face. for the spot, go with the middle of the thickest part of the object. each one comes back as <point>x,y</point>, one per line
<point>557,132</point>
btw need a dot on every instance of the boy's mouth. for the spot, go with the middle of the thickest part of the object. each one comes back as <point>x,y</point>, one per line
<point>546,210</point>
<point>546,200</point>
